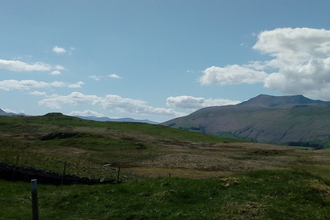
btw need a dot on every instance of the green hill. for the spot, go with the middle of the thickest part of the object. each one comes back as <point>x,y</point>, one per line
<point>166,173</point>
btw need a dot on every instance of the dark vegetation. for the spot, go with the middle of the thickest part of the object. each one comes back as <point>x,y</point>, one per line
<point>166,173</point>
<point>17,173</point>
<point>306,144</point>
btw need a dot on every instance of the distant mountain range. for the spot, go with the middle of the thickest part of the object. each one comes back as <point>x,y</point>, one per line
<point>8,113</point>
<point>291,120</point>
<point>93,118</point>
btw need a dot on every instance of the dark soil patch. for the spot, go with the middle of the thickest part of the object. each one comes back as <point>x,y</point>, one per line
<point>268,152</point>
<point>52,136</point>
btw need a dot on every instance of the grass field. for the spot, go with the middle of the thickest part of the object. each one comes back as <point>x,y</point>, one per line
<point>254,195</point>
<point>167,173</point>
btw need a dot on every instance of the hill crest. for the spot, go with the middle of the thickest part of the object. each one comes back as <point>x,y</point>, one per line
<point>275,101</point>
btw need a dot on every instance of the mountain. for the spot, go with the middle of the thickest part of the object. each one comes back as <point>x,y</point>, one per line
<point>277,101</point>
<point>292,120</point>
<point>93,118</point>
<point>2,112</point>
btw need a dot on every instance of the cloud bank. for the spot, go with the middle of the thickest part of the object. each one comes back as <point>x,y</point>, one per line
<point>16,65</point>
<point>86,113</point>
<point>299,64</point>
<point>19,66</point>
<point>12,84</point>
<point>193,103</point>
<point>110,102</point>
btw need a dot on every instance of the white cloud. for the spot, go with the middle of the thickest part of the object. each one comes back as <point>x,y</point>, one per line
<point>301,43</point>
<point>299,63</point>
<point>233,74</point>
<point>95,77</point>
<point>28,84</point>
<point>86,113</point>
<point>114,76</point>
<point>58,50</point>
<point>110,102</point>
<point>19,66</point>
<point>7,110</point>
<point>59,67</point>
<point>38,93</point>
<point>74,98</point>
<point>16,65</point>
<point>76,85</point>
<point>302,57</point>
<point>194,103</point>
<point>55,72</point>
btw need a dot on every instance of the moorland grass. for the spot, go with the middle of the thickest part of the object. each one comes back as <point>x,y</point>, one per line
<point>284,194</point>
<point>255,195</point>
<point>91,143</point>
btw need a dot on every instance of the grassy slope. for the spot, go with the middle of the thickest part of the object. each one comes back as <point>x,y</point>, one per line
<point>235,191</point>
<point>93,145</point>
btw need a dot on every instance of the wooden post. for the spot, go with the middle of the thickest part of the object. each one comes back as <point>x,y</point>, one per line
<point>118,174</point>
<point>63,174</point>
<point>14,172</point>
<point>34,192</point>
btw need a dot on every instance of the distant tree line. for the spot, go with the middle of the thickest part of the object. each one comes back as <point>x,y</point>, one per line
<point>193,128</point>
<point>305,144</point>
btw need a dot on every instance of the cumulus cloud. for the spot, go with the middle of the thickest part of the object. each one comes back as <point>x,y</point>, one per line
<point>86,113</point>
<point>55,72</point>
<point>76,85</point>
<point>114,76</point>
<point>299,63</point>
<point>16,65</point>
<point>95,77</point>
<point>59,50</point>
<point>233,74</point>
<point>28,84</point>
<point>19,66</point>
<point>194,103</point>
<point>38,93</point>
<point>110,102</point>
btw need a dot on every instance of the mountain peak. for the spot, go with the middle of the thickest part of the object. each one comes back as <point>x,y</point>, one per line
<point>274,101</point>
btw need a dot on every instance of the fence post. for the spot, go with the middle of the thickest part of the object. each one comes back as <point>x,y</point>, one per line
<point>118,174</point>
<point>14,172</point>
<point>63,174</point>
<point>34,192</point>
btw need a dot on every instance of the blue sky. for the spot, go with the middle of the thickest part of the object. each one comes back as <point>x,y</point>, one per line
<point>158,60</point>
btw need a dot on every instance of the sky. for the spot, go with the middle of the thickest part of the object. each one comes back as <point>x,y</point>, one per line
<point>159,59</point>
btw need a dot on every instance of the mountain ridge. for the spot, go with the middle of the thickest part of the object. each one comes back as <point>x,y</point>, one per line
<point>273,101</point>
<point>264,118</point>
<point>93,118</point>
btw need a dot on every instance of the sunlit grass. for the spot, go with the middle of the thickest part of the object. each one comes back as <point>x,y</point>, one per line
<point>257,195</point>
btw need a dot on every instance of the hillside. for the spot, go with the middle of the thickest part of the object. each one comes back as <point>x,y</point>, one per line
<point>293,120</point>
<point>142,149</point>
<point>166,173</point>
